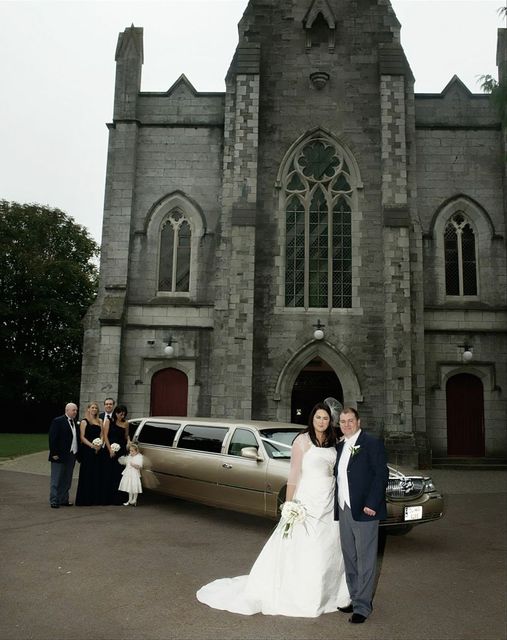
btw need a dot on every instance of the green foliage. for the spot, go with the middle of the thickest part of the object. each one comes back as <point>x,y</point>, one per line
<point>498,91</point>
<point>13,445</point>
<point>48,280</point>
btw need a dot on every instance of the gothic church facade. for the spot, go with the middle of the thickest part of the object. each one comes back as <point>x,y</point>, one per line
<point>317,230</point>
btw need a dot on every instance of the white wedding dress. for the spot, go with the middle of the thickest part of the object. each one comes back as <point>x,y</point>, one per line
<point>302,575</point>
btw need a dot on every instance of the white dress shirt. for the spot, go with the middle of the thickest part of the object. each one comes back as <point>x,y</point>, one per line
<point>73,447</point>
<point>342,476</point>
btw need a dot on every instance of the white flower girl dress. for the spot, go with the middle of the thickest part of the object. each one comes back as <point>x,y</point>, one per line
<point>131,477</point>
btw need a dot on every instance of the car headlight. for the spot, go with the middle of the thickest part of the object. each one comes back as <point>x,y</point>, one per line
<point>428,485</point>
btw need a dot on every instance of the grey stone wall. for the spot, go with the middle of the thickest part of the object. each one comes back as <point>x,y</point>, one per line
<point>219,158</point>
<point>349,108</point>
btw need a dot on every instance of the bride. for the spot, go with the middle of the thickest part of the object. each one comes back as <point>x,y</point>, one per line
<point>300,575</point>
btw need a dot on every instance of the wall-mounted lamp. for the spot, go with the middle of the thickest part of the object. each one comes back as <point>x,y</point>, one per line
<point>318,334</point>
<point>169,349</point>
<point>468,352</point>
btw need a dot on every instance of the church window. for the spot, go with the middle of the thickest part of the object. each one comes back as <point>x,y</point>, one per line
<point>460,257</point>
<point>318,228</point>
<point>175,248</point>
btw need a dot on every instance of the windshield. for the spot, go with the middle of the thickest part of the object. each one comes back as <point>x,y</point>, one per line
<point>278,443</point>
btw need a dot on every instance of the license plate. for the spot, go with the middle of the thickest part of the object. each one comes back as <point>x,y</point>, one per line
<point>413,513</point>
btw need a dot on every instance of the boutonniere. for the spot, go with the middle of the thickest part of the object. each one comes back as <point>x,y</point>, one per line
<point>354,450</point>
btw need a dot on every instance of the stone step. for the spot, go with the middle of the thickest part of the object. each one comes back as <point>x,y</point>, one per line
<point>469,463</point>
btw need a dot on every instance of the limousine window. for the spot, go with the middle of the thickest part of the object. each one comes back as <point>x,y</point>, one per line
<point>278,444</point>
<point>202,438</point>
<point>161,433</point>
<point>241,438</point>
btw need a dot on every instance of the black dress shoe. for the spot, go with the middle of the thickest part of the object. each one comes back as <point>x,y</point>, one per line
<point>348,609</point>
<point>54,506</point>
<point>357,618</point>
<point>67,504</point>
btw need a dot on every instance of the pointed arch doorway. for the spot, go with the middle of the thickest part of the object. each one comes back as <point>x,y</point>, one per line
<point>465,416</point>
<point>169,393</point>
<point>315,382</point>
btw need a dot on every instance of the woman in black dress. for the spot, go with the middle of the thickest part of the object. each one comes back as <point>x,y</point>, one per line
<point>115,433</point>
<point>90,488</point>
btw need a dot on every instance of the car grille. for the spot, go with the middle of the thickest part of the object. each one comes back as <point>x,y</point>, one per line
<point>402,488</point>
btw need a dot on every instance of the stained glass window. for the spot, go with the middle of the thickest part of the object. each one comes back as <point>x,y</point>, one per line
<point>460,257</point>
<point>318,214</point>
<point>175,246</point>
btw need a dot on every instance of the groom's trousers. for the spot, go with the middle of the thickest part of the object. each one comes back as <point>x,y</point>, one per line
<point>61,480</point>
<point>359,541</point>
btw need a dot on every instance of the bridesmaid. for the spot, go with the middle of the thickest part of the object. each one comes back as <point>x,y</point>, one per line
<point>90,488</point>
<point>116,432</point>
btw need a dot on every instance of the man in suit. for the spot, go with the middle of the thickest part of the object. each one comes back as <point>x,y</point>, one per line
<point>63,443</point>
<point>108,409</point>
<point>362,475</point>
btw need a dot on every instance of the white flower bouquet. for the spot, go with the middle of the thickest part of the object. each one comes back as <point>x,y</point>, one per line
<point>97,442</point>
<point>293,512</point>
<point>115,447</point>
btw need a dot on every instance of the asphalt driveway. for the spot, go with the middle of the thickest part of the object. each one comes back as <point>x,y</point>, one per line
<point>128,573</point>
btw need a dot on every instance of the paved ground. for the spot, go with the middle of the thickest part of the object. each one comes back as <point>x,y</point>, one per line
<point>128,573</point>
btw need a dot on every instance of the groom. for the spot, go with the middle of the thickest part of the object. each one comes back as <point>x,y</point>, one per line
<point>362,475</point>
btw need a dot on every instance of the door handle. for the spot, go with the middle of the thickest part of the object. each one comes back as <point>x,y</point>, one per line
<point>227,466</point>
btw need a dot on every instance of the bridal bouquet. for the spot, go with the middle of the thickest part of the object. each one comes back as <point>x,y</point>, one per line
<point>97,442</point>
<point>293,512</point>
<point>115,447</point>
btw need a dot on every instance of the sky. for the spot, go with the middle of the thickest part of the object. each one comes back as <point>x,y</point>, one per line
<point>57,77</point>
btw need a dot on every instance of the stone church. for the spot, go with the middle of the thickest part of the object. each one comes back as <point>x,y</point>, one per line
<point>317,230</point>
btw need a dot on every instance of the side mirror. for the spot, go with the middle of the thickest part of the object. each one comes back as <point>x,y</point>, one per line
<point>251,453</point>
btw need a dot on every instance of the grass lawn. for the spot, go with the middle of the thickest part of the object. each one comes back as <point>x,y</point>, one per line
<point>20,444</point>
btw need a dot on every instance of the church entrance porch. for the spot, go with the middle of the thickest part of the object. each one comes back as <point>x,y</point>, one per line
<point>316,382</point>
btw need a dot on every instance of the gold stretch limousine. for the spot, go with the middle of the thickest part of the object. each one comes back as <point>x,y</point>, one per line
<point>243,465</point>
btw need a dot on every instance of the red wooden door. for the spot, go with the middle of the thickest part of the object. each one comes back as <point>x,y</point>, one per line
<point>465,416</point>
<point>169,393</point>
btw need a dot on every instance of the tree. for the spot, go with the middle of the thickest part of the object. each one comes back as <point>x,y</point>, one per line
<point>47,281</point>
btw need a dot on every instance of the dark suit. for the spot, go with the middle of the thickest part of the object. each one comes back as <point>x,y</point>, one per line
<point>367,477</point>
<point>62,459</point>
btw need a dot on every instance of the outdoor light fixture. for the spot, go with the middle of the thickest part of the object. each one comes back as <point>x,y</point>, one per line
<point>467,354</point>
<point>169,349</point>
<point>318,334</point>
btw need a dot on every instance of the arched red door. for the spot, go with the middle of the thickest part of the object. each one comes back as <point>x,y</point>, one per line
<point>169,393</point>
<point>465,416</point>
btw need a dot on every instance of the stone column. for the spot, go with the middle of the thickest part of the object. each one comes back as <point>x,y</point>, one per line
<point>103,324</point>
<point>232,344</point>
<point>399,436</point>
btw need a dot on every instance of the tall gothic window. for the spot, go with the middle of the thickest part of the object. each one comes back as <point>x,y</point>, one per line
<point>174,265</point>
<point>460,257</point>
<point>318,229</point>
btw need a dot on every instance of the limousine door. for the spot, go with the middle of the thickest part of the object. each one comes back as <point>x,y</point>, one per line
<point>243,480</point>
<point>196,462</point>
<point>186,466</point>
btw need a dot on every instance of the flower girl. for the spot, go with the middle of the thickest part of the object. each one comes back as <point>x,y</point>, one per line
<point>131,475</point>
